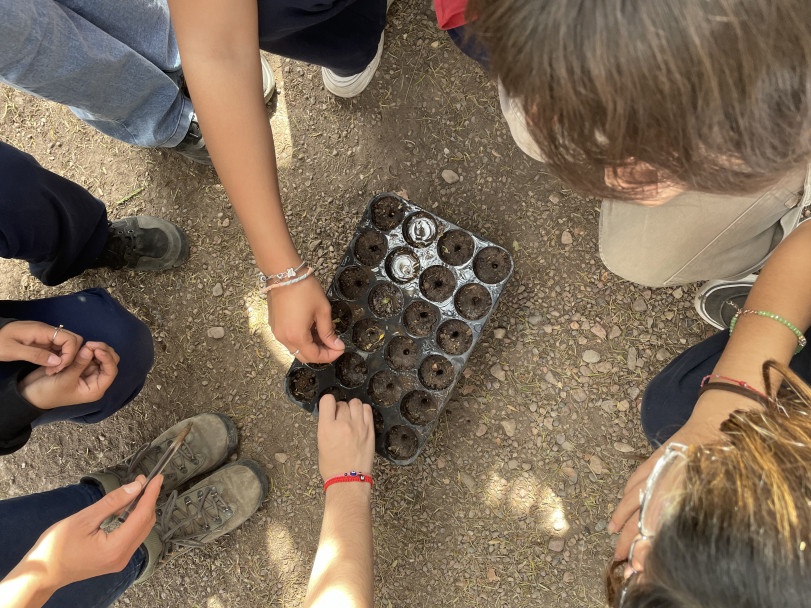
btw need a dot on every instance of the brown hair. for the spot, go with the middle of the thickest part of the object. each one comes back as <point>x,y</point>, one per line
<point>739,533</point>
<point>714,95</point>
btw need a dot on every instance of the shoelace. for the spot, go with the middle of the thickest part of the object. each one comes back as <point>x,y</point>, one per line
<point>193,518</point>
<point>148,453</point>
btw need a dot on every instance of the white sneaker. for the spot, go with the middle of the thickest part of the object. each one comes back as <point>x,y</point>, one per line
<point>268,81</point>
<point>352,86</point>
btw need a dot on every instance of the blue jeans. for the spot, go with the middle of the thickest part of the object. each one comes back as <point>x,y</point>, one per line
<point>23,519</point>
<point>114,63</point>
<point>670,397</point>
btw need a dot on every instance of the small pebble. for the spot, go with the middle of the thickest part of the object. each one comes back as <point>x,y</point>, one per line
<point>499,333</point>
<point>217,290</point>
<point>498,372</point>
<point>597,466</point>
<point>640,305</point>
<point>449,176</point>
<point>623,447</point>
<point>556,545</point>
<point>217,333</point>
<point>591,356</point>
<point>280,457</point>
<point>509,427</point>
<point>566,238</point>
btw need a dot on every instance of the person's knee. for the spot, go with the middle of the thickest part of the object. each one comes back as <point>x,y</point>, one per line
<point>642,269</point>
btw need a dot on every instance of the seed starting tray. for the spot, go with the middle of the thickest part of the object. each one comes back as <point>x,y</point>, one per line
<point>409,299</point>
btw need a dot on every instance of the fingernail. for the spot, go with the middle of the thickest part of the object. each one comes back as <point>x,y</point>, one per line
<point>132,488</point>
<point>612,528</point>
<point>339,343</point>
<point>54,360</point>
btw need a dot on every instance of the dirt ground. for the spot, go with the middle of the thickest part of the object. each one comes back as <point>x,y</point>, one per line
<point>508,503</point>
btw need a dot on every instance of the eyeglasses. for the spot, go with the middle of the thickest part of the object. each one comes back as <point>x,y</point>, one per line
<point>654,501</point>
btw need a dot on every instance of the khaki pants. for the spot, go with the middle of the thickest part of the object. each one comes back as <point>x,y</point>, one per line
<point>693,236</point>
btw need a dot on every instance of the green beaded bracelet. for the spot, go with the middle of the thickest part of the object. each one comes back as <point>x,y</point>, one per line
<point>801,341</point>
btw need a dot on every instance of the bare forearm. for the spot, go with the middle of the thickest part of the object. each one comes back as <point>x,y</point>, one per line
<point>342,575</point>
<point>26,586</point>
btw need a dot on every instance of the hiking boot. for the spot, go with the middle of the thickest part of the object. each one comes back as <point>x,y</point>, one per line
<point>193,145</point>
<point>718,301</point>
<point>211,440</point>
<point>217,505</point>
<point>143,242</point>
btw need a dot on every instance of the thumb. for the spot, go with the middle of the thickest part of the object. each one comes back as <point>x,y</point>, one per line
<point>83,358</point>
<point>112,502</point>
<point>326,330</point>
<point>36,355</point>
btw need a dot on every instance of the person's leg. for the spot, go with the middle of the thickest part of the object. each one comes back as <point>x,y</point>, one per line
<point>49,221</point>
<point>469,45</point>
<point>669,398</point>
<point>94,315</point>
<point>24,519</point>
<point>341,35</point>
<point>696,237</point>
<point>114,63</point>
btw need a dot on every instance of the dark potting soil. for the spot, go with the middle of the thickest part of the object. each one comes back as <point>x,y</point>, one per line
<point>371,247</point>
<point>341,316</point>
<point>385,300</point>
<point>492,265</point>
<point>401,353</point>
<point>436,372</point>
<point>401,442</point>
<point>368,334</point>
<point>419,318</point>
<point>380,424</point>
<point>350,369</point>
<point>418,407</point>
<point>303,384</point>
<point>387,213</point>
<point>473,301</point>
<point>454,337</point>
<point>336,391</point>
<point>353,282</point>
<point>385,388</point>
<point>437,283</point>
<point>455,247</point>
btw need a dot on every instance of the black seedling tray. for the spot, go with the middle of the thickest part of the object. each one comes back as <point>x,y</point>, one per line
<point>408,331</point>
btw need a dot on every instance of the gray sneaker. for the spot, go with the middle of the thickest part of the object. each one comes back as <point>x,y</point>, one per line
<point>212,438</point>
<point>217,505</point>
<point>718,301</point>
<point>143,242</point>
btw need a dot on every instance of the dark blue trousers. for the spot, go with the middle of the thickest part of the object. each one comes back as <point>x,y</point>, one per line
<point>671,396</point>
<point>60,229</point>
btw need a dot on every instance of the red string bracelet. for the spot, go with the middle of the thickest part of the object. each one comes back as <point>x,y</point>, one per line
<point>741,383</point>
<point>351,476</point>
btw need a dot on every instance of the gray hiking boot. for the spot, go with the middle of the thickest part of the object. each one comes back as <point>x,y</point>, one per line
<point>211,439</point>
<point>217,505</point>
<point>143,242</point>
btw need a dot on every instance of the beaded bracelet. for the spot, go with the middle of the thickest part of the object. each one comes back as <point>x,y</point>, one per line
<point>801,341</point>
<point>351,476</point>
<point>279,281</point>
<point>740,383</point>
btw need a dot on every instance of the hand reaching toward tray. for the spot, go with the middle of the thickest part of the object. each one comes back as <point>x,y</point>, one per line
<point>294,311</point>
<point>346,437</point>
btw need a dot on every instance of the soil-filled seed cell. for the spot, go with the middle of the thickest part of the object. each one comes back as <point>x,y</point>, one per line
<point>341,316</point>
<point>419,318</point>
<point>455,247</point>
<point>492,265</point>
<point>317,365</point>
<point>454,337</point>
<point>473,301</point>
<point>336,391</point>
<point>437,283</point>
<point>420,230</point>
<point>385,300</point>
<point>380,424</point>
<point>418,407</point>
<point>371,247</point>
<point>387,213</point>
<point>385,388</point>
<point>401,354</point>
<point>353,282</point>
<point>303,384</point>
<point>368,334</point>
<point>436,372</point>
<point>350,369</point>
<point>403,265</point>
<point>401,442</point>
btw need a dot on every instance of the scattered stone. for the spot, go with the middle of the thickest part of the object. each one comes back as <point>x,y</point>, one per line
<point>597,466</point>
<point>481,430</point>
<point>509,427</point>
<point>449,176</point>
<point>217,290</point>
<point>499,333</point>
<point>615,332</point>
<point>623,447</point>
<point>598,331</point>
<point>632,360</point>
<point>280,457</point>
<point>512,464</point>
<point>566,237</point>
<point>640,305</point>
<point>535,319</point>
<point>492,577</point>
<point>469,482</point>
<point>608,406</point>
<point>554,197</point>
<point>441,463</point>
<point>662,354</point>
<point>580,395</point>
<point>218,333</point>
<point>633,392</point>
<point>678,293</point>
<point>567,446</point>
<point>591,356</point>
<point>498,372</point>
<point>600,525</point>
<point>556,545</point>
<point>569,473</point>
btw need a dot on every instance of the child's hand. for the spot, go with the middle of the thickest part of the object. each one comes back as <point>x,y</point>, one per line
<point>39,343</point>
<point>293,311</point>
<point>346,437</point>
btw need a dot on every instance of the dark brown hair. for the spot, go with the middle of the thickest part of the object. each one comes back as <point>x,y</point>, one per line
<point>739,533</point>
<point>715,95</point>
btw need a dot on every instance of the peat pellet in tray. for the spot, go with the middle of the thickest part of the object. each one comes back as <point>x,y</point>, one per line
<point>409,299</point>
